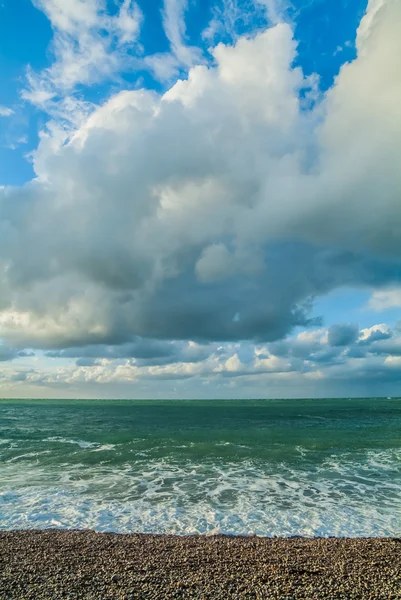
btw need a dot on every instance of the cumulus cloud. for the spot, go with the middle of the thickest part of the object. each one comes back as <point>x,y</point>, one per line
<point>375,333</point>
<point>216,211</point>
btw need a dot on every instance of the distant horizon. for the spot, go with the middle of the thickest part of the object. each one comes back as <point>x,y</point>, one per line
<point>256,399</point>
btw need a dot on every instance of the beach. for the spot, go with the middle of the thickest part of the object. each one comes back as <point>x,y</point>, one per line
<point>206,500</point>
<point>52,564</point>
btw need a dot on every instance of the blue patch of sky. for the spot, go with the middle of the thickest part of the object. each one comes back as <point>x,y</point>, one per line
<point>153,37</point>
<point>25,34</point>
<point>197,20</point>
<point>350,305</point>
<point>241,19</point>
<point>326,32</point>
<point>152,40</point>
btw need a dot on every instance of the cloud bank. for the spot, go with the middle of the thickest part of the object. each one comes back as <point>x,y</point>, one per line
<point>303,364</point>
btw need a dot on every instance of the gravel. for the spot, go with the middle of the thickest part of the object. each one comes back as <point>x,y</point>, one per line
<point>83,564</point>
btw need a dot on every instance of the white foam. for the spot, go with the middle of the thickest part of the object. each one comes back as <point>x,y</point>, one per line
<point>104,448</point>
<point>81,443</point>
<point>28,455</point>
<point>343,496</point>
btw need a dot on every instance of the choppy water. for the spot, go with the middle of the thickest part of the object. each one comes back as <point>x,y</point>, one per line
<point>288,467</point>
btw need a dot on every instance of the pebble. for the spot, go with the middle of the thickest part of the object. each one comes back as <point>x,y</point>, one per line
<point>50,564</point>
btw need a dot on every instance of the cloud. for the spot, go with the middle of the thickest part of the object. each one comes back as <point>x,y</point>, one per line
<point>389,347</point>
<point>87,362</point>
<point>374,334</point>
<point>5,111</point>
<point>215,263</point>
<point>216,211</point>
<point>89,45</point>
<point>165,65</point>
<point>9,354</point>
<point>342,335</point>
<point>305,348</point>
<point>384,299</point>
<point>231,17</point>
<point>144,352</point>
<point>297,363</point>
<point>174,27</point>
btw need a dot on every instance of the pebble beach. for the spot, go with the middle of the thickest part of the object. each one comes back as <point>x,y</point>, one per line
<point>53,564</point>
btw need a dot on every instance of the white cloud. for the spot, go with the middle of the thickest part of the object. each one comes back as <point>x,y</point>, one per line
<point>393,362</point>
<point>5,111</point>
<point>174,27</point>
<point>385,299</point>
<point>232,16</point>
<point>166,65</point>
<point>89,45</point>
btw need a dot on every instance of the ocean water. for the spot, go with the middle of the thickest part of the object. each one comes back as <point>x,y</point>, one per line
<point>268,467</point>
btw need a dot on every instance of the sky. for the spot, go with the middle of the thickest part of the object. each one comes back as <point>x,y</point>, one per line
<point>200,198</point>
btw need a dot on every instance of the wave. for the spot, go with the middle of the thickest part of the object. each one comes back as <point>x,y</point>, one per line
<point>81,443</point>
<point>343,496</point>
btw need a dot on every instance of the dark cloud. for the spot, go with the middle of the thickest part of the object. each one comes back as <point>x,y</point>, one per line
<point>139,348</point>
<point>390,347</point>
<point>20,377</point>
<point>356,352</point>
<point>168,376</point>
<point>143,352</point>
<point>342,334</point>
<point>7,353</point>
<point>87,362</point>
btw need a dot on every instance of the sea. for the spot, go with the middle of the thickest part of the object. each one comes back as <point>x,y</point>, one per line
<point>267,467</point>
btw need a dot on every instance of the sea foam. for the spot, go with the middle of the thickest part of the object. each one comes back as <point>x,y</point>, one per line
<point>341,497</point>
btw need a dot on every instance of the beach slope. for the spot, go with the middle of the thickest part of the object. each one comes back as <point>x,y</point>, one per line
<point>83,564</point>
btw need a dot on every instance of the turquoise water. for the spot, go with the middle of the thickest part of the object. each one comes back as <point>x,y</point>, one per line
<point>270,467</point>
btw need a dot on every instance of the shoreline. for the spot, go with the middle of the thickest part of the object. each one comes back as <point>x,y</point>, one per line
<point>55,563</point>
<point>208,534</point>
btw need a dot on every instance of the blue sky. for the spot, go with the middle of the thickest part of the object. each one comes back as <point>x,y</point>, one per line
<point>200,199</point>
